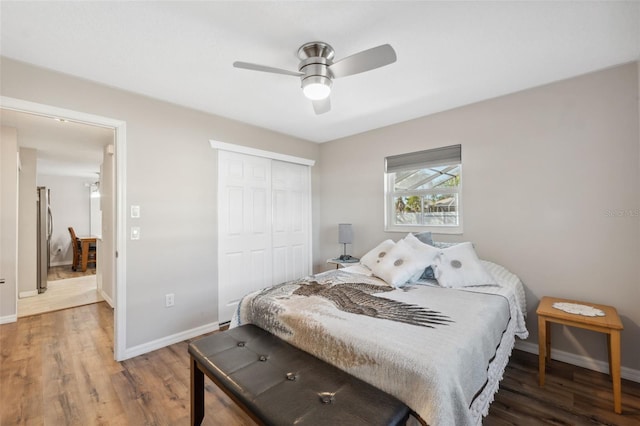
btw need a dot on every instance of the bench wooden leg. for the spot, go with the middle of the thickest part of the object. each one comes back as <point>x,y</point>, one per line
<point>197,394</point>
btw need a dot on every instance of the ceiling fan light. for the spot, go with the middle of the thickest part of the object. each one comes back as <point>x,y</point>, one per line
<point>316,87</point>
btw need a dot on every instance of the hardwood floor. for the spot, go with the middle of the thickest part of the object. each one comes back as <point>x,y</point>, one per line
<point>63,272</point>
<point>58,369</point>
<point>61,294</point>
<point>66,288</point>
<point>571,396</point>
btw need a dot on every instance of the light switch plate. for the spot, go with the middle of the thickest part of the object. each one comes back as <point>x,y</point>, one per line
<point>135,232</point>
<point>135,211</point>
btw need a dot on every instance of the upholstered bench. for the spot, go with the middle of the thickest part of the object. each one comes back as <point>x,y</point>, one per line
<point>278,384</point>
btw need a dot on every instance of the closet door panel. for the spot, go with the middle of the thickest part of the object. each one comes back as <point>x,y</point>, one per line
<point>264,225</point>
<point>290,193</point>
<point>244,240</point>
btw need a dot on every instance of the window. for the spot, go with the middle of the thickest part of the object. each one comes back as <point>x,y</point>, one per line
<point>423,191</point>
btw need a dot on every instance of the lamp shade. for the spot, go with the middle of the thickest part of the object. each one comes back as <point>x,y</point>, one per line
<point>345,233</point>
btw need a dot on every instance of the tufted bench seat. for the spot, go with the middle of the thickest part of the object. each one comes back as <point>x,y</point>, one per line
<point>278,384</point>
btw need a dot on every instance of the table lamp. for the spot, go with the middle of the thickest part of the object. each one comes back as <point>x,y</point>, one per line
<point>345,236</point>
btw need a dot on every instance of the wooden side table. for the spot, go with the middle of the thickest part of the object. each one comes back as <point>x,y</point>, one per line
<point>609,324</point>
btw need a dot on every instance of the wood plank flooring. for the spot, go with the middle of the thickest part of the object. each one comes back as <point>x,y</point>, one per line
<point>63,272</point>
<point>61,294</point>
<point>58,369</point>
<point>66,288</point>
<point>571,396</point>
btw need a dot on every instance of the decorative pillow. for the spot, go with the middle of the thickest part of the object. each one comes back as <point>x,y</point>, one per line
<point>428,274</point>
<point>424,237</point>
<point>419,244</point>
<point>402,263</point>
<point>414,242</point>
<point>459,266</point>
<point>374,256</point>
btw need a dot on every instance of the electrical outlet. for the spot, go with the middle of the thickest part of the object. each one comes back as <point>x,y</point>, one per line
<point>169,300</point>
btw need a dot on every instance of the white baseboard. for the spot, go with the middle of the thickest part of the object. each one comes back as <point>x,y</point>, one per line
<point>581,361</point>
<point>169,340</point>
<point>30,293</point>
<point>8,318</point>
<point>107,298</point>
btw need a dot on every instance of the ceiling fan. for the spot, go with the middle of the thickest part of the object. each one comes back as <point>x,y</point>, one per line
<point>317,69</point>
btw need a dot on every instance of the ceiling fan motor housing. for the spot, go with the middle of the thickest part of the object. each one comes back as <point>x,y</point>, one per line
<point>316,49</point>
<point>316,57</point>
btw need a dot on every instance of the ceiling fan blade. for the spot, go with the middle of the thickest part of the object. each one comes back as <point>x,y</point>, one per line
<point>264,68</point>
<point>321,106</point>
<point>366,60</point>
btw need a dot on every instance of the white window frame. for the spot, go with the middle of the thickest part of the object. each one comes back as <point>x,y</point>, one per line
<point>416,161</point>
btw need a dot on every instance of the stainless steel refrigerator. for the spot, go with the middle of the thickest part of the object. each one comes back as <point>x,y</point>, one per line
<point>45,229</point>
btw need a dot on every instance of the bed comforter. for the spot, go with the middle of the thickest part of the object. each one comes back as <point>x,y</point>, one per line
<point>440,351</point>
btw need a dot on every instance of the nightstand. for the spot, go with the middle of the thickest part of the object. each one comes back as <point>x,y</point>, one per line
<point>609,324</point>
<point>343,263</point>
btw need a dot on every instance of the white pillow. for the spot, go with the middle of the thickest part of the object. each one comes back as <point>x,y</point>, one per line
<point>374,256</point>
<point>427,250</point>
<point>414,242</point>
<point>402,263</point>
<point>459,266</point>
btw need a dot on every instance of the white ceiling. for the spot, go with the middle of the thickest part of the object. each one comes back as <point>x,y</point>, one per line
<point>63,148</point>
<point>449,53</point>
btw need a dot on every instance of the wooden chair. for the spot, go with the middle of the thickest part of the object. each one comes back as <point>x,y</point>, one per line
<point>77,250</point>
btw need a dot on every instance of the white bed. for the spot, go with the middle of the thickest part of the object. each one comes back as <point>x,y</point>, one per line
<point>440,350</point>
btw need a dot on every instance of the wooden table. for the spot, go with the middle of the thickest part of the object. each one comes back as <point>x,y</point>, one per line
<point>609,324</point>
<point>86,241</point>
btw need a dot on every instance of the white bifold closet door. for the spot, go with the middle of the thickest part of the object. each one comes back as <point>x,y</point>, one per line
<point>263,226</point>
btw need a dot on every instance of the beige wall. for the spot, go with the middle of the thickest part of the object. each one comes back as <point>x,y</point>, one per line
<point>171,174</point>
<point>27,218</point>
<point>551,190</point>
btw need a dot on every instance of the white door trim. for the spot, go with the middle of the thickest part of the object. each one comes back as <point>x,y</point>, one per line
<point>260,153</point>
<point>119,128</point>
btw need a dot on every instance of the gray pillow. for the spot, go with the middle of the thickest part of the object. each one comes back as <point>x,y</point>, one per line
<point>424,237</point>
<point>428,274</point>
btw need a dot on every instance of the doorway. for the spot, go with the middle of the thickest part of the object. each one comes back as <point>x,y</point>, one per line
<point>113,232</point>
<point>62,162</point>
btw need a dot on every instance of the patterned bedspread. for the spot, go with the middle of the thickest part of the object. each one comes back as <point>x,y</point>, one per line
<point>441,351</point>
